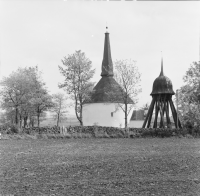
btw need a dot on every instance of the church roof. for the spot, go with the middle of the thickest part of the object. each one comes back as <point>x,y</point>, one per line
<point>107,90</point>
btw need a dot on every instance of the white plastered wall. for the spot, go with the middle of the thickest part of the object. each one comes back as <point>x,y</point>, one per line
<point>100,114</point>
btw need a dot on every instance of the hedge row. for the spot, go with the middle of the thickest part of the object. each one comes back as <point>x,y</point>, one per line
<point>99,132</point>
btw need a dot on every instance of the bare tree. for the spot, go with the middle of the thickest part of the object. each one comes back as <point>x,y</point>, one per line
<point>60,106</point>
<point>128,77</point>
<point>78,72</point>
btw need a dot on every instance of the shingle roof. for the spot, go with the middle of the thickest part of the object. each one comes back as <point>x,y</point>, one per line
<point>107,89</point>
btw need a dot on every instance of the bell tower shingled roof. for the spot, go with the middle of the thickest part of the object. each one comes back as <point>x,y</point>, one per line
<point>162,84</point>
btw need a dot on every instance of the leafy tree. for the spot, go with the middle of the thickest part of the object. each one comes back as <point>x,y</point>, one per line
<point>20,92</point>
<point>41,102</point>
<point>16,89</point>
<point>189,96</point>
<point>128,77</point>
<point>60,106</point>
<point>26,112</point>
<point>192,76</point>
<point>77,70</point>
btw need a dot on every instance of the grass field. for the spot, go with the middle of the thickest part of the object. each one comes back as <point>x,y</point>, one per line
<point>70,121</point>
<point>100,167</point>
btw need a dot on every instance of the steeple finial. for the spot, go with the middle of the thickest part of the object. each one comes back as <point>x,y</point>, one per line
<point>161,73</point>
<point>107,65</point>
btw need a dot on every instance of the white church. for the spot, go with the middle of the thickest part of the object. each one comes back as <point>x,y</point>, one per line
<point>103,109</point>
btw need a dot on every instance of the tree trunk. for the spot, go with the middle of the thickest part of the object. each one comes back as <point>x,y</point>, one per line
<point>25,121</point>
<point>32,122</point>
<point>38,116</point>
<point>20,121</point>
<point>38,119</point>
<point>126,124</point>
<point>58,119</point>
<point>16,115</point>
<point>81,116</point>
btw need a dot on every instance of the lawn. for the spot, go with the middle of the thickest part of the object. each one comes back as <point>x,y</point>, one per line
<point>100,167</point>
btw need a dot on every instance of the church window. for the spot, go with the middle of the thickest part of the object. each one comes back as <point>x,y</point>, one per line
<point>111,114</point>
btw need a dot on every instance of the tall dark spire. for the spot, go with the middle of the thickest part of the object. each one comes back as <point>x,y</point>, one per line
<point>161,72</point>
<point>107,64</point>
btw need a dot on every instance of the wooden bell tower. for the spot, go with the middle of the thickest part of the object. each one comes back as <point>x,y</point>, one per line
<point>161,103</point>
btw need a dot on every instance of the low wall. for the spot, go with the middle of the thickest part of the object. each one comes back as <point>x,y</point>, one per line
<point>98,132</point>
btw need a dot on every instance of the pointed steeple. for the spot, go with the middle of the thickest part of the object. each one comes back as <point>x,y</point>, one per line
<point>107,64</point>
<point>161,72</point>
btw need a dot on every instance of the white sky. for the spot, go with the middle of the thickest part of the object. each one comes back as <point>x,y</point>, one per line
<point>43,32</point>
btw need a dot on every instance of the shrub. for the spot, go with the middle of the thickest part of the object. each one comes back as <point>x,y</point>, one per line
<point>99,132</point>
<point>158,132</point>
<point>12,129</point>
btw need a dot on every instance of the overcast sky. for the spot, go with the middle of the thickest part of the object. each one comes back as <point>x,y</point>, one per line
<point>43,32</point>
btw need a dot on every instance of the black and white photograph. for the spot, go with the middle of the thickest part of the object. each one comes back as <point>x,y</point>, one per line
<point>99,98</point>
